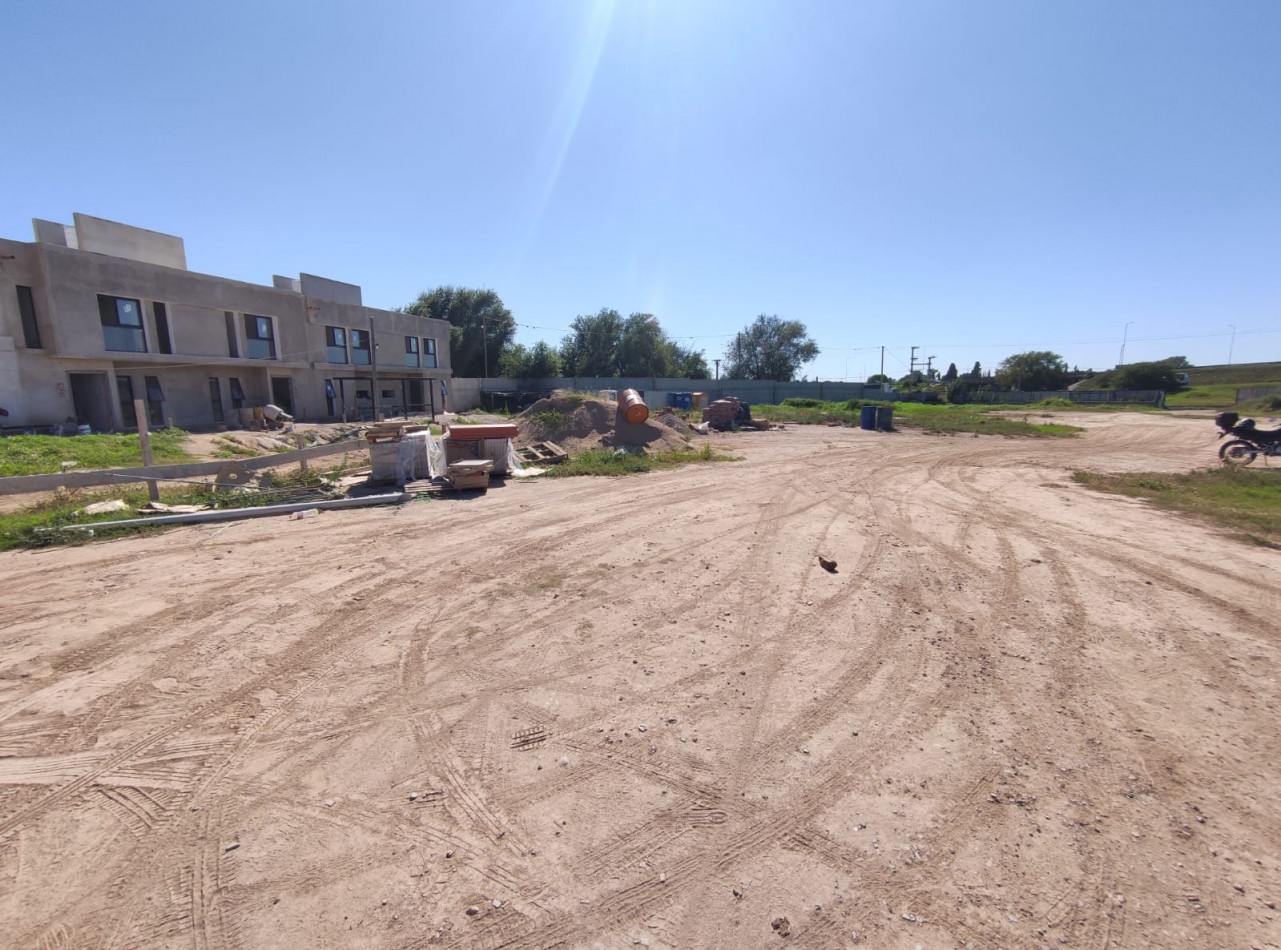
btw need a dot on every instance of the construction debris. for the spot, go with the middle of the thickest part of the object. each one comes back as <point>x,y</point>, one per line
<point>727,413</point>
<point>103,507</point>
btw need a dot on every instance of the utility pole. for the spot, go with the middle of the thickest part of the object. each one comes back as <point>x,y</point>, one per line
<point>1232,342</point>
<point>373,355</point>
<point>718,370</point>
<point>1125,334</point>
<point>929,368</point>
<point>882,361</point>
<point>912,363</point>
<point>484,342</point>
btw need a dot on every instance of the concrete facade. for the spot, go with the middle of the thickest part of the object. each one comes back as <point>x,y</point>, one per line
<point>95,312</point>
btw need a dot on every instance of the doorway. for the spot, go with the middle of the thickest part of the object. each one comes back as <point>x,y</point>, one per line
<point>415,400</point>
<point>282,393</point>
<point>91,398</point>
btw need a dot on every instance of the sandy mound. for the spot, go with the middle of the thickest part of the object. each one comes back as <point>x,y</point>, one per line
<point>592,424</point>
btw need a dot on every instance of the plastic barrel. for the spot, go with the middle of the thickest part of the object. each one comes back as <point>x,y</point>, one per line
<point>885,418</point>
<point>867,417</point>
<point>633,407</point>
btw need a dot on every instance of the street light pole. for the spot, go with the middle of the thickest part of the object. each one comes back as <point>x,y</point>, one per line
<point>1124,336</point>
<point>1232,342</point>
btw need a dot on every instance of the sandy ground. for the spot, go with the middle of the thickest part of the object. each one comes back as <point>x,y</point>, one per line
<point>637,712</point>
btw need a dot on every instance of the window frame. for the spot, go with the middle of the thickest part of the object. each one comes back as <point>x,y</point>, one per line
<point>412,355</point>
<point>27,312</point>
<point>155,400</point>
<point>367,348</point>
<point>429,352</point>
<point>164,334</point>
<point>254,323</point>
<point>336,340</point>
<point>109,317</point>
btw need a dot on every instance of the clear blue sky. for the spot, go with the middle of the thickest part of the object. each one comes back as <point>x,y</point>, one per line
<point>977,177</point>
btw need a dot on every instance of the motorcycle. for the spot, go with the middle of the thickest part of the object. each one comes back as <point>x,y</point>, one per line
<point>1248,442</point>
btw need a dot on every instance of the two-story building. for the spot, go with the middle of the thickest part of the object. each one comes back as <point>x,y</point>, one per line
<point>96,314</point>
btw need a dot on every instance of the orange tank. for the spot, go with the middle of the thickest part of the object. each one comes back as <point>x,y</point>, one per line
<point>632,406</point>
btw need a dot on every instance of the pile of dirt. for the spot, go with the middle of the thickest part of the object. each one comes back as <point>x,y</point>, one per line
<point>577,424</point>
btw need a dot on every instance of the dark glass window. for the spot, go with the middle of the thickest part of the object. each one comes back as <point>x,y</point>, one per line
<point>155,401</point>
<point>411,351</point>
<point>429,353</point>
<point>336,344</point>
<point>27,308</point>
<point>124,386</point>
<point>233,345</point>
<point>161,313</point>
<point>360,347</point>
<point>260,339</point>
<point>237,393</point>
<point>215,398</point>
<point>121,324</point>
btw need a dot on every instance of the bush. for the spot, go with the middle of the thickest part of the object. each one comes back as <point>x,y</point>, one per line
<point>800,402</point>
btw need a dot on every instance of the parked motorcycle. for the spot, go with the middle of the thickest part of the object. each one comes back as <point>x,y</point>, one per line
<point>1248,442</point>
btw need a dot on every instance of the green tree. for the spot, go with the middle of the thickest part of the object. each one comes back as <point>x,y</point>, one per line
<point>977,371</point>
<point>591,349</point>
<point>540,361</point>
<point>1033,371</point>
<point>643,347</point>
<point>689,363</point>
<point>481,326</point>
<point>1156,375</point>
<point>879,378</point>
<point>951,374</point>
<point>770,348</point>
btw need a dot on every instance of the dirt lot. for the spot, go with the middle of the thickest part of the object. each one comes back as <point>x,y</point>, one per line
<point>638,712</point>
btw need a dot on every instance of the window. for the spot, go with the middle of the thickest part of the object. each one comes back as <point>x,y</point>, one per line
<point>161,313</point>
<point>330,397</point>
<point>124,386</point>
<point>336,344</point>
<point>411,351</point>
<point>429,353</point>
<point>215,398</point>
<point>237,394</point>
<point>360,347</point>
<point>155,402</point>
<point>27,308</point>
<point>260,340</point>
<point>233,345</point>
<point>122,324</point>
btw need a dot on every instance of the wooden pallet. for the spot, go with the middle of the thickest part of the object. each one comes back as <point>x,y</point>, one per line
<point>390,431</point>
<point>542,453</point>
<point>425,487</point>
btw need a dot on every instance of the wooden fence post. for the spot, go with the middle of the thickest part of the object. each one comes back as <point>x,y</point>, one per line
<point>144,440</point>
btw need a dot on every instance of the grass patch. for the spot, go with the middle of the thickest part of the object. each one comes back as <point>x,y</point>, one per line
<point>551,419</point>
<point>608,462</point>
<point>944,419</point>
<point>44,454</point>
<point>1217,396</point>
<point>19,529</point>
<point>1246,503</point>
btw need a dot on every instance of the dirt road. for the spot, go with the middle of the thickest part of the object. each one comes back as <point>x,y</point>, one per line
<point>638,712</point>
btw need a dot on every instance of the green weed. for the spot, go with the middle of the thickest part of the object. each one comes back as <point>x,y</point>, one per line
<point>1245,502</point>
<point>44,454</point>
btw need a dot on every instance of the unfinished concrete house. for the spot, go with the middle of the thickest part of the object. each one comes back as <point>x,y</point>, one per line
<point>95,314</point>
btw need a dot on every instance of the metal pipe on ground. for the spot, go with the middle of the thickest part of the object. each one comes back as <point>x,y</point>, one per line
<point>237,514</point>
